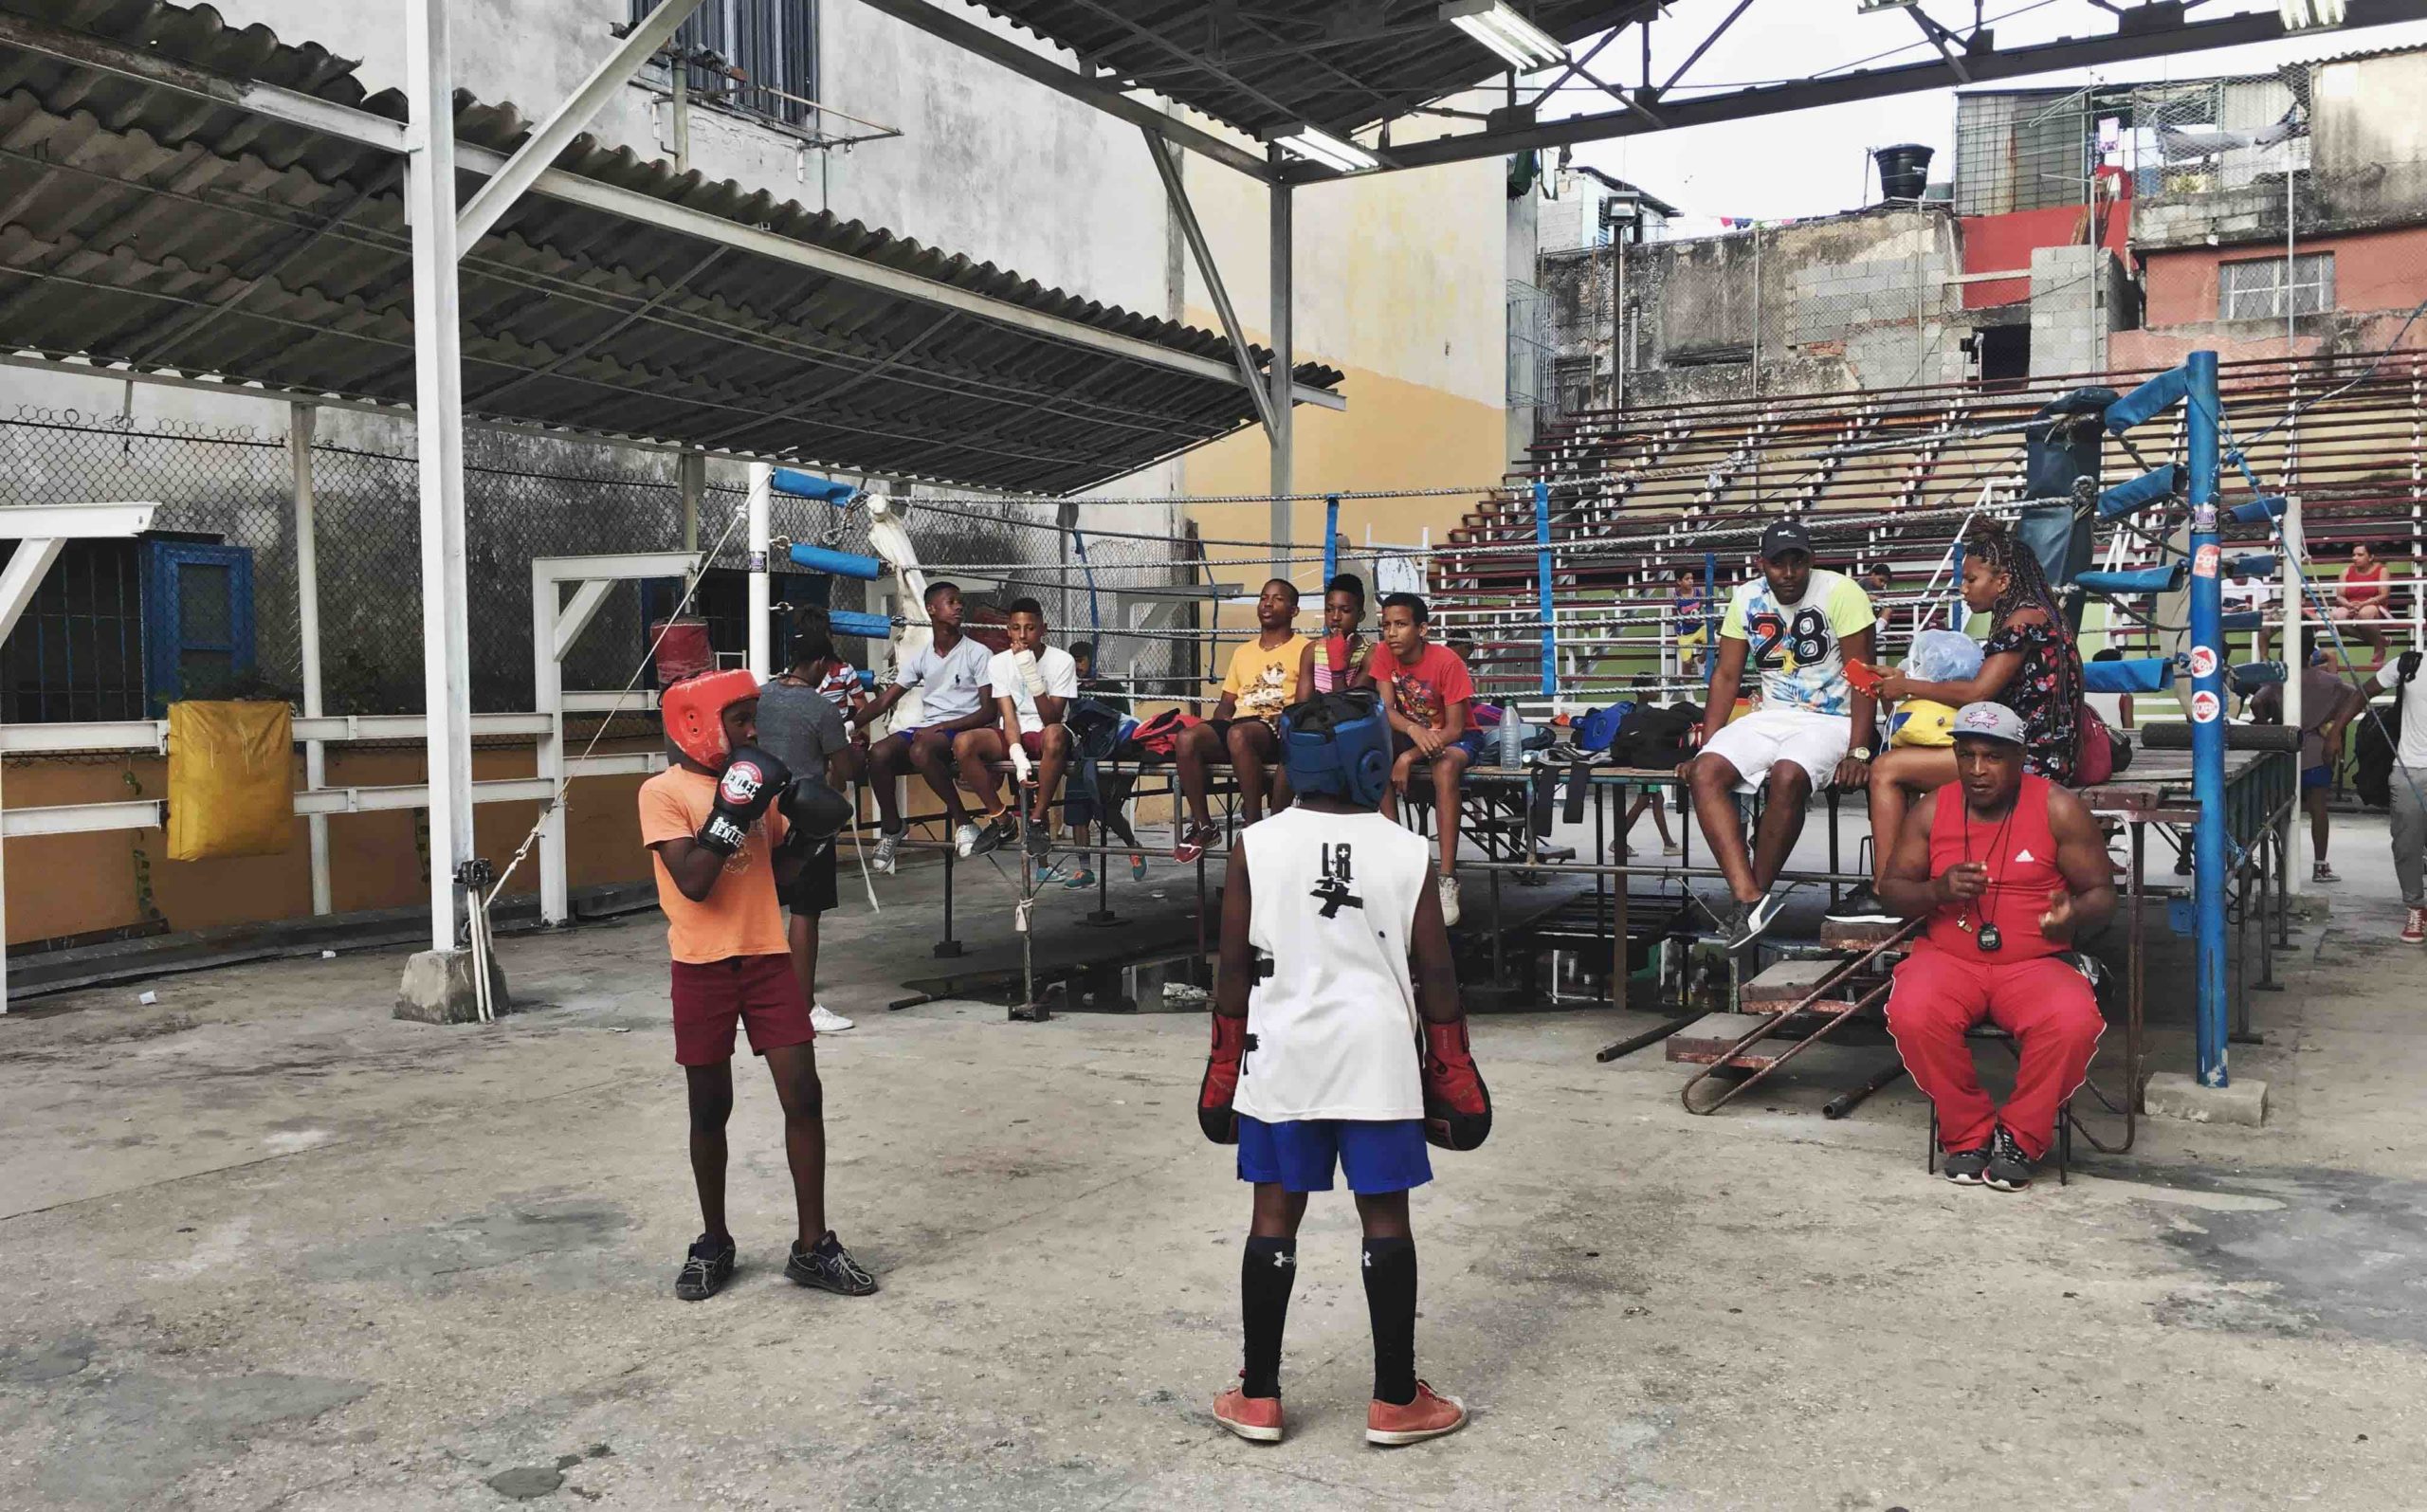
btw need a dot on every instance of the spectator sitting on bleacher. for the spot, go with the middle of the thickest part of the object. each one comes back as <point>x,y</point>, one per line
<point>1692,609</point>
<point>2364,598</point>
<point>2030,664</point>
<point>1426,692</point>
<point>1244,728</point>
<point>1343,641</point>
<point>1796,627</point>
<point>2009,869</point>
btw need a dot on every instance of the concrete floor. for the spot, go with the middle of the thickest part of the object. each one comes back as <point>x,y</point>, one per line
<point>268,1247</point>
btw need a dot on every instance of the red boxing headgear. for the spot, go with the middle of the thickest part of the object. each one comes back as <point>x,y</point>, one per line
<point>694,710</point>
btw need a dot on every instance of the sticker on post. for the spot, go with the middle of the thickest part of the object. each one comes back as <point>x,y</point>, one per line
<point>2205,707</point>
<point>2204,661</point>
<point>2205,564</point>
<point>2203,519</point>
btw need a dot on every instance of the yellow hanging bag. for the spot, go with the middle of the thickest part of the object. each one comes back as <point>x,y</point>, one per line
<point>231,779</point>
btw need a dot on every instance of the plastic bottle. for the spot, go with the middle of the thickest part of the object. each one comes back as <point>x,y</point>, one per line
<point>1512,738</point>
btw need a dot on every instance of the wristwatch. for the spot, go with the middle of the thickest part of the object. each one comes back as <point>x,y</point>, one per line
<point>1860,753</point>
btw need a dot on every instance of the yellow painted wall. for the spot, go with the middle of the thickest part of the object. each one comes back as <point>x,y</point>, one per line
<point>1400,283</point>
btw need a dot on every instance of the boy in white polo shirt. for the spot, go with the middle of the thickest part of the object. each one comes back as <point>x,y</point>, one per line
<point>1033,684</point>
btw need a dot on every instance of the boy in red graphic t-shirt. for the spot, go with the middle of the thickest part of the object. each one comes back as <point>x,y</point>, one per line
<point>1426,692</point>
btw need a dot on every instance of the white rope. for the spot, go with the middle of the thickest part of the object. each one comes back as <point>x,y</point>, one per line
<point>558,802</point>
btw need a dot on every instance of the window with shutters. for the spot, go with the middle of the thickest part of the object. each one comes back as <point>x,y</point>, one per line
<point>771,45</point>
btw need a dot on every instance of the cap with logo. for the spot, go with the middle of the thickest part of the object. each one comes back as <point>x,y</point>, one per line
<point>1989,722</point>
<point>1785,536</point>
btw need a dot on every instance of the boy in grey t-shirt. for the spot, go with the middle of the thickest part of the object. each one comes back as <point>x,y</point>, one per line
<point>804,731</point>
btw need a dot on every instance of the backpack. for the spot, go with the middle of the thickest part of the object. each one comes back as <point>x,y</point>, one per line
<point>1158,736</point>
<point>2099,753</point>
<point>1652,736</point>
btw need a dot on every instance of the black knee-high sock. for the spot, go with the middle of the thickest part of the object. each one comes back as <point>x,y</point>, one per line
<point>1265,1271</point>
<point>1390,1299</point>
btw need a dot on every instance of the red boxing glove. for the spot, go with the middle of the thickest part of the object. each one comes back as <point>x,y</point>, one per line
<point>1221,1082</point>
<point>1457,1108</point>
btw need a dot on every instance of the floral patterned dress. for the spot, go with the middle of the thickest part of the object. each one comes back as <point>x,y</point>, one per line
<point>2045,693</point>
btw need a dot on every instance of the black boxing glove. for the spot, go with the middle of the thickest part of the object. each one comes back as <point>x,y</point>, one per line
<point>748,785</point>
<point>813,811</point>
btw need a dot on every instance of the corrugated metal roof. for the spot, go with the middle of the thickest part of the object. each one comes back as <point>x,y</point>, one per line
<point>141,225</point>
<point>1265,69</point>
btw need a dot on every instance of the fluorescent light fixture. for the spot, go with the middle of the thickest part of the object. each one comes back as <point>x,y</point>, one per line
<point>1523,45</point>
<point>2310,15</point>
<point>1322,146</point>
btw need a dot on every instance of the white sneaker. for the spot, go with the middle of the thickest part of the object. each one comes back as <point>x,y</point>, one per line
<point>826,1021</point>
<point>1449,902</point>
<point>888,846</point>
<point>1673,848</point>
<point>964,838</point>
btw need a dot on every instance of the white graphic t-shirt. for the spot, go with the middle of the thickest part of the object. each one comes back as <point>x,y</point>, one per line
<point>1795,646</point>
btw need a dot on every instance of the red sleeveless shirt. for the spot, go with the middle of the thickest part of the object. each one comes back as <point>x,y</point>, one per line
<point>2019,850</point>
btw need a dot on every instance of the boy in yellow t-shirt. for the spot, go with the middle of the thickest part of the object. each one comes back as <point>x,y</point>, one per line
<point>1263,681</point>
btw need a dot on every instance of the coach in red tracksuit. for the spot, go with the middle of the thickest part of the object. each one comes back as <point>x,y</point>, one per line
<point>2008,868</point>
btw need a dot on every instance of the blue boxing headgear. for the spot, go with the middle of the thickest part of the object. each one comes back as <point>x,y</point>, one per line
<point>1338,744</point>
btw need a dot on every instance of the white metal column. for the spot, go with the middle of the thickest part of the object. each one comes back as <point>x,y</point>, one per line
<point>762,507</point>
<point>1283,362</point>
<point>438,414</point>
<point>301,418</point>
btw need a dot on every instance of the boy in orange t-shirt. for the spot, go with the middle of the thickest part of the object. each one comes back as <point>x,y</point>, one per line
<point>710,819</point>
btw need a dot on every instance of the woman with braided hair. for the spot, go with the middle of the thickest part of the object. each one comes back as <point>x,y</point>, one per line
<point>2029,664</point>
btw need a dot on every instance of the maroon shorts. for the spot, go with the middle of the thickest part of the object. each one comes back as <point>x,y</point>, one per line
<point>758,993</point>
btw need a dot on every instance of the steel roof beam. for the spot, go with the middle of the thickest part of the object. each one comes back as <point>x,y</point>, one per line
<point>553,135</point>
<point>2228,31</point>
<point>970,37</point>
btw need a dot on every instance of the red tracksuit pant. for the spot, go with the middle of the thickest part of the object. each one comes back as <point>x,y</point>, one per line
<point>2043,1003</point>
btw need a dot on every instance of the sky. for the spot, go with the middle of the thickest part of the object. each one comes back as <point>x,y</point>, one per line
<point>1815,162</point>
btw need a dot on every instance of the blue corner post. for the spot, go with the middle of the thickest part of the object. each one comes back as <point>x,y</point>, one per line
<point>2207,717</point>
<point>1543,574</point>
<point>1331,539</point>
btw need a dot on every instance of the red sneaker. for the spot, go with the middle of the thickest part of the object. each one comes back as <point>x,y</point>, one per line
<point>1193,842</point>
<point>2414,926</point>
<point>1256,1418</point>
<point>1430,1415</point>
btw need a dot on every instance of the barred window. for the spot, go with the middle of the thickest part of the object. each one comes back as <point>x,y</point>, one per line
<point>2256,290</point>
<point>774,44</point>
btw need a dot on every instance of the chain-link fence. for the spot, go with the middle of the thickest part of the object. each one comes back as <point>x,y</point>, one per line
<point>207,605</point>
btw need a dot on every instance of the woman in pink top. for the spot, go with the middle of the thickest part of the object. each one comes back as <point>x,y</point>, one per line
<point>2365,597</point>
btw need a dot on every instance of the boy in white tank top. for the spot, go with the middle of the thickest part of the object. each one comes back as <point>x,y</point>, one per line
<point>1328,1053</point>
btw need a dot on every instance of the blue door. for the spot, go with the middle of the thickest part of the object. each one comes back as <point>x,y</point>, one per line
<point>197,622</point>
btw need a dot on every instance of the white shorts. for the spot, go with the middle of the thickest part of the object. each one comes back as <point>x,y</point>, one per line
<point>1816,742</point>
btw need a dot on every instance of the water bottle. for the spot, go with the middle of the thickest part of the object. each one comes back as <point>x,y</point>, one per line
<point>1512,738</point>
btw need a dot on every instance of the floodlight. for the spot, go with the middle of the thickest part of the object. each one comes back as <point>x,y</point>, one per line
<point>1331,152</point>
<point>1521,44</point>
<point>2310,15</point>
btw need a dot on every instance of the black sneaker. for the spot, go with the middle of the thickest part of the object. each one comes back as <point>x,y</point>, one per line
<point>2009,1169</point>
<point>1743,923</point>
<point>707,1266</point>
<point>1862,906</point>
<point>995,836</point>
<point>828,1267</point>
<point>1964,1167</point>
<point>1040,842</point>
